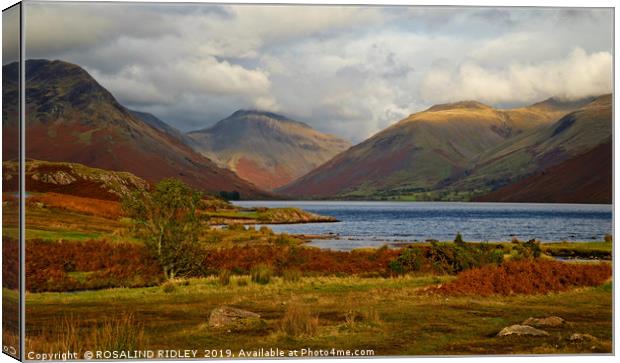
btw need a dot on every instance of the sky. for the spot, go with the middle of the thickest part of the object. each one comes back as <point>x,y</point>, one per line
<point>346,70</point>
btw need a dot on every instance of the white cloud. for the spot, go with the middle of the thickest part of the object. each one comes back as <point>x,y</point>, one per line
<point>347,70</point>
<point>577,75</point>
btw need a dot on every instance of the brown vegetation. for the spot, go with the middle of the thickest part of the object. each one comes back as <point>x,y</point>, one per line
<point>527,277</point>
<point>68,266</point>
<point>91,206</point>
<point>299,321</point>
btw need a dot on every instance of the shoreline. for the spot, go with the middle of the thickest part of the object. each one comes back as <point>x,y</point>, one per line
<point>570,251</point>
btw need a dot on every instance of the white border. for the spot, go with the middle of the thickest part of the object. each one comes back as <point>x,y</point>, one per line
<point>523,3</point>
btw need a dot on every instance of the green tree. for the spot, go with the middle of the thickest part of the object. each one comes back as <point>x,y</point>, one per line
<point>166,219</point>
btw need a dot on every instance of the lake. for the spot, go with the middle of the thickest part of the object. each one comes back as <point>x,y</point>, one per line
<point>373,224</point>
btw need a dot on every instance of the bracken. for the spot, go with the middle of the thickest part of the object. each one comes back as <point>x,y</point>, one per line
<point>526,277</point>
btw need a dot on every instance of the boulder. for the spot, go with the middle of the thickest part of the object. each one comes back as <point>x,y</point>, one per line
<point>226,316</point>
<point>550,321</point>
<point>521,330</point>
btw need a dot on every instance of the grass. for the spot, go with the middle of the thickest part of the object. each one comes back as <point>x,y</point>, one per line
<point>388,315</point>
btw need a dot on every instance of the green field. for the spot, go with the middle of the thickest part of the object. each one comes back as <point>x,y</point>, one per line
<point>389,316</point>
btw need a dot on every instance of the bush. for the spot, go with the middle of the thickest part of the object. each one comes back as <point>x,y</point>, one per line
<point>298,321</point>
<point>410,260</point>
<point>608,238</point>
<point>459,238</point>
<point>455,258</point>
<point>526,277</point>
<point>261,274</point>
<point>291,275</point>
<point>528,250</point>
<point>169,287</point>
<point>284,239</point>
<point>224,277</point>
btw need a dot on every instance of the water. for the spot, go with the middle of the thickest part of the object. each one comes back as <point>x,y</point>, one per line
<point>373,224</point>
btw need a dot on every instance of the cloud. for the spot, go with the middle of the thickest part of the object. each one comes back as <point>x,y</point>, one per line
<point>347,70</point>
<point>172,82</point>
<point>577,75</point>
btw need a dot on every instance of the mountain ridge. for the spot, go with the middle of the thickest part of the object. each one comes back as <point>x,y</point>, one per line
<point>435,149</point>
<point>72,118</point>
<point>266,148</point>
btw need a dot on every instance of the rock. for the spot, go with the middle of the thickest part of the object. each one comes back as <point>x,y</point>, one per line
<point>551,321</point>
<point>224,316</point>
<point>578,337</point>
<point>521,330</point>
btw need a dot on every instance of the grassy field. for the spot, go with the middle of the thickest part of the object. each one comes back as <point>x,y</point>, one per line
<point>389,316</point>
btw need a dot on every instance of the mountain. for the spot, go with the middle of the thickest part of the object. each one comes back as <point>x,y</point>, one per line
<point>532,152</point>
<point>424,151</point>
<point>586,178</point>
<point>265,148</point>
<point>71,118</point>
<point>160,125</point>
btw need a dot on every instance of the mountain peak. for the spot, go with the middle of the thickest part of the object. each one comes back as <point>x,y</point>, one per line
<point>266,148</point>
<point>260,113</point>
<point>78,87</point>
<point>459,105</point>
<point>556,103</point>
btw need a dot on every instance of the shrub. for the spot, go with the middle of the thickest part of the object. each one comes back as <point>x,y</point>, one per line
<point>409,260</point>
<point>261,274</point>
<point>608,238</point>
<point>446,258</point>
<point>459,238</point>
<point>169,287</point>
<point>291,275</point>
<point>283,239</point>
<point>224,277</point>
<point>298,321</point>
<point>526,277</point>
<point>265,230</point>
<point>528,250</point>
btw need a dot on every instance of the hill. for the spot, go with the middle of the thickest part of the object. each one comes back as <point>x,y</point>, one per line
<point>423,152</point>
<point>160,125</point>
<point>71,118</point>
<point>265,148</point>
<point>71,179</point>
<point>586,178</point>
<point>572,135</point>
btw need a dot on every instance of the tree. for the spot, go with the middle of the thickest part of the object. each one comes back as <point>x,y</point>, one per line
<point>166,219</point>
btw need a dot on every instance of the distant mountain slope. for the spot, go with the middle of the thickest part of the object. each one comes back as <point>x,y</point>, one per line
<point>572,135</point>
<point>161,125</point>
<point>422,151</point>
<point>586,178</point>
<point>265,148</point>
<point>71,118</point>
